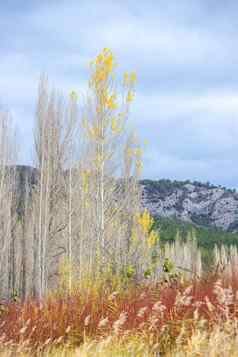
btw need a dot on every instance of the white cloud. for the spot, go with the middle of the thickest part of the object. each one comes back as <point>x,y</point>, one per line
<point>214,102</point>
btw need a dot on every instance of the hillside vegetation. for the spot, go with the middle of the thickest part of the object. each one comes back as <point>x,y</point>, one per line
<point>206,237</point>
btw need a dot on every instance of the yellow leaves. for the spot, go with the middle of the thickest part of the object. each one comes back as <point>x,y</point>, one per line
<point>138,152</point>
<point>101,75</point>
<point>104,65</point>
<point>134,235</point>
<point>109,62</point>
<point>150,236</point>
<point>145,221</point>
<point>133,78</point>
<point>106,50</point>
<point>101,83</point>
<point>106,101</point>
<point>130,97</point>
<point>129,79</point>
<point>110,102</point>
<point>85,180</point>
<point>99,59</point>
<point>129,152</point>
<point>114,126</point>
<point>126,79</point>
<point>153,238</point>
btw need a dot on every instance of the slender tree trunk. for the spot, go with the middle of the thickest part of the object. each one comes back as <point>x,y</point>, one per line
<point>70,230</point>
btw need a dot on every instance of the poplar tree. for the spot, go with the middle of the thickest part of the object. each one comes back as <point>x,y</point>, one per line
<point>111,168</point>
<point>8,244</point>
<point>53,137</point>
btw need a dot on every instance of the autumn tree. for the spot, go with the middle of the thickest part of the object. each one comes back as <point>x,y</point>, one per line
<point>110,169</point>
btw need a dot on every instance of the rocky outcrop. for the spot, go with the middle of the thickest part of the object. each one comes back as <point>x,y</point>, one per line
<point>201,204</point>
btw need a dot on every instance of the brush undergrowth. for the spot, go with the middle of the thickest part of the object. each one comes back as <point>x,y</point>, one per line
<point>193,318</point>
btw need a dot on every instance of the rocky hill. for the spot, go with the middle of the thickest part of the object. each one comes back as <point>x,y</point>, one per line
<point>201,204</point>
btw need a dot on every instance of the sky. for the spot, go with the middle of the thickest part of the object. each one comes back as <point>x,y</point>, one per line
<point>185,55</point>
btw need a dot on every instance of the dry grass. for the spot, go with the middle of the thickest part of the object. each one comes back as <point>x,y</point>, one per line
<point>175,319</point>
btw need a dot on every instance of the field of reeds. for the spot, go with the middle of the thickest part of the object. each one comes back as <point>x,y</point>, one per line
<point>170,317</point>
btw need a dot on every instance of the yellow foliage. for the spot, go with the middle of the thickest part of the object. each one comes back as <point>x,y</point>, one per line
<point>133,78</point>
<point>134,235</point>
<point>146,221</point>
<point>99,59</point>
<point>106,50</point>
<point>103,67</point>
<point>130,152</point>
<point>130,97</point>
<point>114,126</point>
<point>101,81</point>
<point>109,62</point>
<point>85,179</point>
<point>110,102</point>
<point>152,239</point>
<point>101,75</point>
<point>129,79</point>
<point>126,79</point>
<point>138,152</point>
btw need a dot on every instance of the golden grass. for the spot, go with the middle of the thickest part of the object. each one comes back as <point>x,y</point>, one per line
<point>110,346</point>
<point>221,341</point>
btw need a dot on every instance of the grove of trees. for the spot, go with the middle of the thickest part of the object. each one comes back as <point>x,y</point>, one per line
<point>82,219</point>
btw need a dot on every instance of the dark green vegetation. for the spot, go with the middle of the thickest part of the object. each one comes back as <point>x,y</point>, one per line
<point>206,237</point>
<point>166,185</point>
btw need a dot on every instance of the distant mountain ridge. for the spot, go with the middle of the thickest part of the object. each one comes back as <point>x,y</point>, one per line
<point>198,203</point>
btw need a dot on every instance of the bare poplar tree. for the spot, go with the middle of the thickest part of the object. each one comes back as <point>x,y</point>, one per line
<point>7,200</point>
<point>53,136</point>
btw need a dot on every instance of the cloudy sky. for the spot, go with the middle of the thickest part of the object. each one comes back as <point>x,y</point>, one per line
<point>184,52</point>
